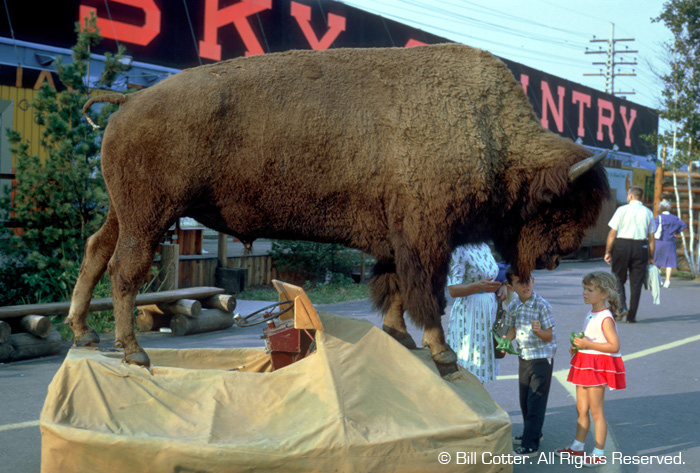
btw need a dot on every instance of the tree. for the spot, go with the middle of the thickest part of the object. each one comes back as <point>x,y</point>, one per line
<point>59,198</point>
<point>681,102</point>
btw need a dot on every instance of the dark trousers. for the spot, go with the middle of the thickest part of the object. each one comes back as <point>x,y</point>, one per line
<point>630,256</point>
<point>535,378</point>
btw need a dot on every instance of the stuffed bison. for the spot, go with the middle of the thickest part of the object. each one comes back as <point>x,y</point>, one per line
<point>401,153</point>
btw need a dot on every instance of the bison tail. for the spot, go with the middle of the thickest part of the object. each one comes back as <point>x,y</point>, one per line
<point>383,284</point>
<point>116,99</point>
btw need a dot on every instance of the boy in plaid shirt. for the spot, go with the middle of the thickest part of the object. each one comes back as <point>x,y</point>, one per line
<point>532,326</point>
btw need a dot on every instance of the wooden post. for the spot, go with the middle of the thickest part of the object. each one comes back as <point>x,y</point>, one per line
<point>37,325</point>
<point>223,302</point>
<point>658,188</point>
<point>208,321</point>
<point>169,266</point>
<point>362,267</point>
<point>5,331</point>
<point>222,251</point>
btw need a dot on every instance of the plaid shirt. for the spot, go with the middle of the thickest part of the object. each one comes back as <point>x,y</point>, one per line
<point>521,315</point>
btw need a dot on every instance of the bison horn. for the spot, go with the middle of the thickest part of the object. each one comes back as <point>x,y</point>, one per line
<point>578,169</point>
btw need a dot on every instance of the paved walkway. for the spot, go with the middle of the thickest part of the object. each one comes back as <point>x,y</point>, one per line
<point>658,414</point>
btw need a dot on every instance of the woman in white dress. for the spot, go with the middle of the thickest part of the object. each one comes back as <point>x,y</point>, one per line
<point>471,281</point>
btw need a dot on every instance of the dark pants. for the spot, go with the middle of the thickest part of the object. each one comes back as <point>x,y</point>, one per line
<point>632,256</point>
<point>535,377</point>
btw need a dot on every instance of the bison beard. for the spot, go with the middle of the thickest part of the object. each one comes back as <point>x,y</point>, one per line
<point>401,153</point>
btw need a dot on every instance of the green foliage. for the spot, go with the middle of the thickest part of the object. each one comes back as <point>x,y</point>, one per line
<point>60,197</point>
<point>681,94</point>
<point>317,262</point>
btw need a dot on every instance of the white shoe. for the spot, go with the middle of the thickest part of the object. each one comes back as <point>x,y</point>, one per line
<point>667,283</point>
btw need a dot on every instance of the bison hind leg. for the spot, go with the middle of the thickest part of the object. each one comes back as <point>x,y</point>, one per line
<point>387,299</point>
<point>98,250</point>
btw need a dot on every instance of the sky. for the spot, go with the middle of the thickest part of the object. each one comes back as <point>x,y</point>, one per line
<point>549,35</point>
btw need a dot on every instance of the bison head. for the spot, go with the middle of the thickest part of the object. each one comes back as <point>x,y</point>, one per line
<point>553,224</point>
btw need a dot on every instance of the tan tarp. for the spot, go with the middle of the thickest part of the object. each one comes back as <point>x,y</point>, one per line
<point>361,403</point>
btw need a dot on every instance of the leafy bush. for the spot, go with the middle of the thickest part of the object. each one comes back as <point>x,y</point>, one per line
<point>315,262</point>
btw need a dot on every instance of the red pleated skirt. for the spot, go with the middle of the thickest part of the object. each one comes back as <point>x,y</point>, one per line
<point>596,370</point>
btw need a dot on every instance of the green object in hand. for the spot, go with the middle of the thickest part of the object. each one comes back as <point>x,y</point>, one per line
<point>574,336</point>
<point>504,344</point>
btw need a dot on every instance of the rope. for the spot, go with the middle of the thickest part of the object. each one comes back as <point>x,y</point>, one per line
<point>267,46</point>
<point>194,39</point>
<point>12,32</point>
<point>114,32</point>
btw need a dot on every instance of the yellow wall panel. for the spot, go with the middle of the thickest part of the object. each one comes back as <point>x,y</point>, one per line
<point>23,120</point>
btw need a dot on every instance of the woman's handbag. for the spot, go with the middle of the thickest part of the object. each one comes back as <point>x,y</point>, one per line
<point>499,328</point>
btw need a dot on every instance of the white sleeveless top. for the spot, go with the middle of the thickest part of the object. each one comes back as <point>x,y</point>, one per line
<point>593,329</point>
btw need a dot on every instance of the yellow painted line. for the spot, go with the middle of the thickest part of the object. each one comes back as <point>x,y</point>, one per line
<point>21,425</point>
<point>667,346</point>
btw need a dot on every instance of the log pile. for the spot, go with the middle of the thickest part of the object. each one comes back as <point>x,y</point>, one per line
<point>29,336</point>
<point>27,332</point>
<point>188,316</point>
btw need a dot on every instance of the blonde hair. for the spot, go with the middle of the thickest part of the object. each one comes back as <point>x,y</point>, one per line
<point>606,282</point>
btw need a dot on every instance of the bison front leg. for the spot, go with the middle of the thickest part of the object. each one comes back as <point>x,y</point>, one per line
<point>127,271</point>
<point>98,250</point>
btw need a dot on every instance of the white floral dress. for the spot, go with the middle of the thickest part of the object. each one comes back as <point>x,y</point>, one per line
<point>471,318</point>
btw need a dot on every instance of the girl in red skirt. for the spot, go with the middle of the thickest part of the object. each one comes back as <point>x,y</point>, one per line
<point>596,363</point>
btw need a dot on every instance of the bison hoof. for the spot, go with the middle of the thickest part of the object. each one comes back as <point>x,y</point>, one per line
<point>446,368</point>
<point>445,357</point>
<point>402,337</point>
<point>138,358</point>
<point>88,338</point>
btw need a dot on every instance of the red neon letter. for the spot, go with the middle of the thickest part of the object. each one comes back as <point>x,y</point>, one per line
<point>581,99</point>
<point>525,82</point>
<point>336,24</point>
<point>628,123</point>
<point>605,121</point>
<point>238,15</point>
<point>548,102</point>
<point>414,42</point>
<point>141,35</point>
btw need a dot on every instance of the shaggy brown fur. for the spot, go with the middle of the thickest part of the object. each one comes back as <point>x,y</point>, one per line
<point>401,153</point>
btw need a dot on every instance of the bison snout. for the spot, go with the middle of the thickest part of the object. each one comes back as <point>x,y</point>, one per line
<point>549,263</point>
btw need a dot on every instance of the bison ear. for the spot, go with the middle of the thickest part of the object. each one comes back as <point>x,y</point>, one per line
<point>580,168</point>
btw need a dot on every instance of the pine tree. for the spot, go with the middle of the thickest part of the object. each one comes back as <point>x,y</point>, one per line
<point>59,198</point>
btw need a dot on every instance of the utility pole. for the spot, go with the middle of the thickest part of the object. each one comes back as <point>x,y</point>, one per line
<point>610,62</point>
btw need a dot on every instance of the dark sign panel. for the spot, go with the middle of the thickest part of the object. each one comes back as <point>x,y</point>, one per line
<point>183,33</point>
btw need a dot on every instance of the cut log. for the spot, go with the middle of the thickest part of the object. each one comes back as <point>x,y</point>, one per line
<point>61,308</point>
<point>208,321</point>
<point>6,352</point>
<point>188,307</point>
<point>37,325</point>
<point>223,302</point>
<point>148,321</point>
<point>25,346</point>
<point>5,331</point>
